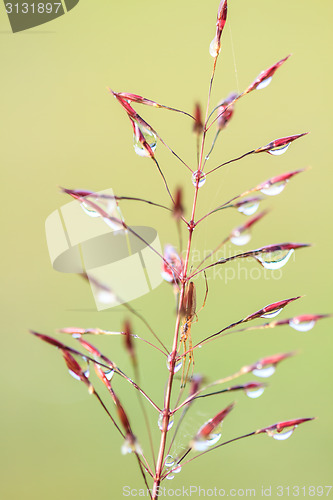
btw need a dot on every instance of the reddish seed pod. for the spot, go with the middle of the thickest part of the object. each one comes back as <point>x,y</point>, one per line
<point>283,142</point>
<point>178,209</point>
<point>264,78</point>
<point>270,308</point>
<point>209,426</point>
<point>198,123</point>
<point>280,426</point>
<point>225,111</point>
<point>49,340</point>
<point>129,345</point>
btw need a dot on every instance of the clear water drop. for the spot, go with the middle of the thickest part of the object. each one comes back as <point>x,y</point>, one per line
<point>302,326</point>
<point>264,83</point>
<point>248,208</point>
<point>178,364</point>
<point>264,372</point>
<point>204,444</point>
<point>177,470</point>
<point>255,393</point>
<point>84,364</point>
<point>271,314</point>
<point>214,48</point>
<point>202,178</point>
<point>150,138</point>
<point>279,150</point>
<point>282,436</point>
<point>160,422</point>
<point>170,476</point>
<point>169,461</point>
<point>274,189</point>
<point>274,260</point>
<point>109,374</point>
<point>240,238</point>
<point>106,297</point>
<point>105,204</point>
<point>131,444</point>
<point>89,210</point>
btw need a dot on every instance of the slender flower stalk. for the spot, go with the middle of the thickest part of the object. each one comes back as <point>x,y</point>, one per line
<point>179,271</point>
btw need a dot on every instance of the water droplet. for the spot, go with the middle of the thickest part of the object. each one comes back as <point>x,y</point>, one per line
<point>279,150</point>
<point>264,83</point>
<point>89,210</point>
<point>271,314</point>
<point>264,372</point>
<point>84,364</point>
<point>274,260</point>
<point>214,48</point>
<point>105,204</point>
<point>200,444</point>
<point>177,470</point>
<point>255,393</point>
<point>131,444</point>
<point>170,476</point>
<point>169,461</point>
<point>240,238</point>
<point>76,335</point>
<point>282,436</point>
<point>178,364</point>
<point>149,136</point>
<point>302,326</point>
<point>109,374</point>
<point>160,422</point>
<point>202,178</point>
<point>106,297</point>
<point>274,189</point>
<point>248,208</point>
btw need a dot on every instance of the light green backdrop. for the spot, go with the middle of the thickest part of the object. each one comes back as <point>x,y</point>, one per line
<point>59,126</point>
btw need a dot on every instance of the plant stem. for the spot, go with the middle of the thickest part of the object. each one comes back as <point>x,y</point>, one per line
<point>184,279</point>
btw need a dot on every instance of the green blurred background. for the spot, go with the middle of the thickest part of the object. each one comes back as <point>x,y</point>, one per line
<point>61,127</point>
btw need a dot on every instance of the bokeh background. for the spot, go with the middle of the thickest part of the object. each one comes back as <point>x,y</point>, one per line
<point>60,127</point>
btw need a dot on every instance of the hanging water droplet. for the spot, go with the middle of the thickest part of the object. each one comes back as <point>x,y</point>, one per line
<point>149,137</point>
<point>169,461</point>
<point>248,208</point>
<point>198,174</point>
<point>200,444</point>
<point>106,297</point>
<point>170,476</point>
<point>240,238</point>
<point>274,189</point>
<point>302,326</point>
<point>264,371</point>
<point>177,470</point>
<point>264,83</point>
<point>178,364</point>
<point>282,436</point>
<point>76,335</point>
<point>214,48</point>
<point>105,204</point>
<point>279,150</point>
<point>271,314</point>
<point>254,393</point>
<point>89,210</point>
<point>160,422</point>
<point>109,374</point>
<point>84,364</point>
<point>131,444</point>
<point>274,260</point>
